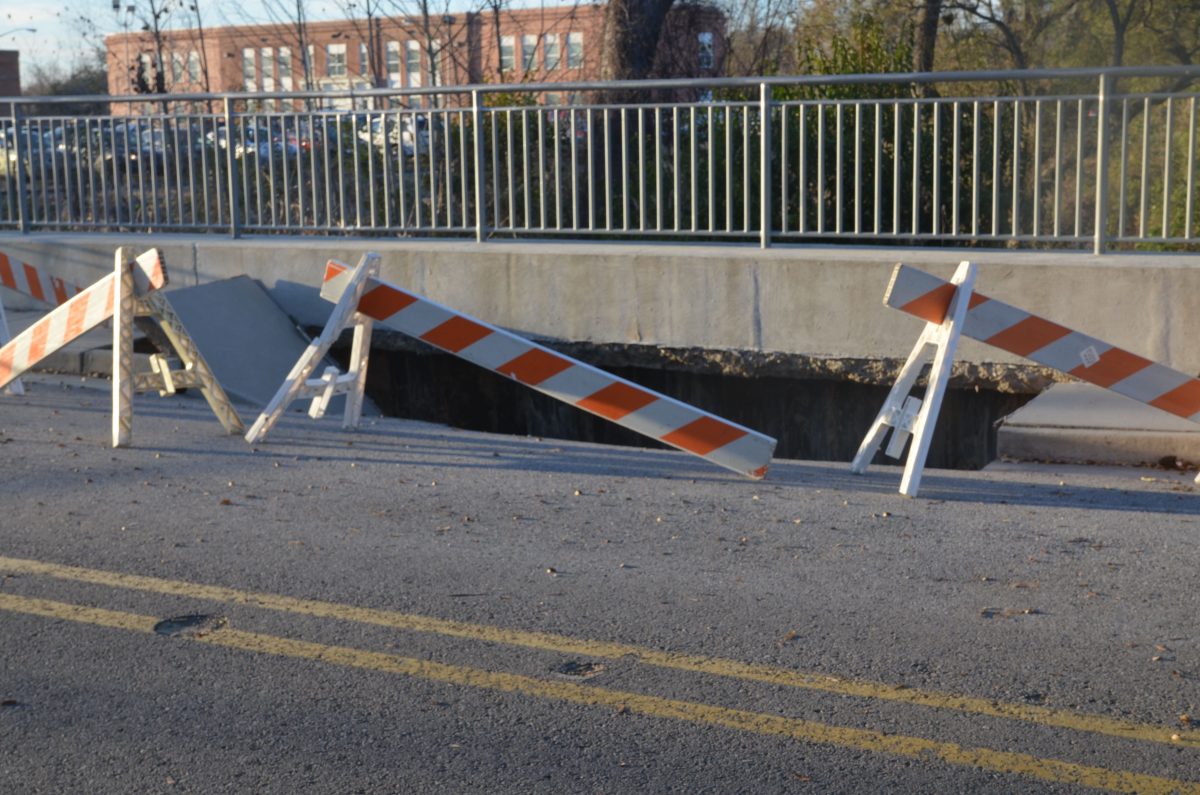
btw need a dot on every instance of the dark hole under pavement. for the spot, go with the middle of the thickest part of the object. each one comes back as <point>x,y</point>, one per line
<point>813,419</point>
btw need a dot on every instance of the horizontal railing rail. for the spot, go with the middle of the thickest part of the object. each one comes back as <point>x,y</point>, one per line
<point>1076,158</point>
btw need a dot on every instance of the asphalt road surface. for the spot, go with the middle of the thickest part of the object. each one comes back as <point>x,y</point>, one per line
<point>411,609</point>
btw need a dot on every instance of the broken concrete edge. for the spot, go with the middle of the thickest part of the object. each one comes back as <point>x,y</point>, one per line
<point>93,362</point>
<point>1099,447</point>
<point>1016,379</point>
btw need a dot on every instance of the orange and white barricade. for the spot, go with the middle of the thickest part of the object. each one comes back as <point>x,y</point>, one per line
<point>298,384</point>
<point>31,281</point>
<point>128,293</point>
<point>670,421</point>
<point>953,308</point>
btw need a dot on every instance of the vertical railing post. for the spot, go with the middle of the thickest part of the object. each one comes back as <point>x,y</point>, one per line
<point>1102,163</point>
<point>235,224</point>
<point>764,103</point>
<point>19,153</point>
<point>480,177</point>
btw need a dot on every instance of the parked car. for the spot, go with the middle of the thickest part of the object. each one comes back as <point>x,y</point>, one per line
<point>126,147</point>
<point>254,142</point>
<point>39,156</point>
<point>409,132</point>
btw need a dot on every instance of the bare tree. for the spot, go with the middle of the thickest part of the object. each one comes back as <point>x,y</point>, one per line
<point>1022,31</point>
<point>759,36</point>
<point>631,33</point>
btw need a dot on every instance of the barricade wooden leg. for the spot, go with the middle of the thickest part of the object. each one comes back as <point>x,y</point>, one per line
<point>359,353</point>
<point>122,365</point>
<point>898,409</point>
<point>297,384</point>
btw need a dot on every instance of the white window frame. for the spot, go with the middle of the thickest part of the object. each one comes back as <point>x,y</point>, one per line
<point>335,59</point>
<point>267,55</point>
<point>551,52</point>
<point>412,63</point>
<point>575,50</point>
<point>394,63</point>
<point>529,59</point>
<point>249,69</point>
<point>508,54</point>
<point>285,68</point>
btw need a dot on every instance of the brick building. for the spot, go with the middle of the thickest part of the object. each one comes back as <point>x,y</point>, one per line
<point>557,44</point>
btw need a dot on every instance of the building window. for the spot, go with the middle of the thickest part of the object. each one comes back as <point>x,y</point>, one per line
<point>574,50</point>
<point>705,42</point>
<point>249,72</point>
<point>285,68</point>
<point>193,66</point>
<point>335,60</point>
<point>310,64</point>
<point>529,54</point>
<point>412,63</point>
<point>393,58</point>
<point>508,60</point>
<point>176,67</point>
<point>364,59</point>
<point>552,51</point>
<point>268,68</point>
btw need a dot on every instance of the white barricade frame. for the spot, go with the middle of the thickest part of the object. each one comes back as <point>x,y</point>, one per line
<point>905,415</point>
<point>365,297</point>
<point>299,385</point>
<point>126,295</point>
<point>955,307</point>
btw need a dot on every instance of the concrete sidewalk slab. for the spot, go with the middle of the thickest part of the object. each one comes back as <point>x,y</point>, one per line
<point>250,343</point>
<point>1082,423</point>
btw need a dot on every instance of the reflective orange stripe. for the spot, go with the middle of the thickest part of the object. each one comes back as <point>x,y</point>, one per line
<point>1183,400</point>
<point>6,275</point>
<point>933,305</point>
<point>34,279</point>
<point>455,334</point>
<point>381,303</point>
<point>76,313</point>
<point>1115,365</point>
<point>60,290</point>
<point>704,435</point>
<point>616,400</point>
<point>1031,334</point>
<point>534,366</point>
<point>7,354</point>
<point>37,343</point>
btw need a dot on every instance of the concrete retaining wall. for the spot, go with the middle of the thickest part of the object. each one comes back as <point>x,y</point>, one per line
<point>823,302</point>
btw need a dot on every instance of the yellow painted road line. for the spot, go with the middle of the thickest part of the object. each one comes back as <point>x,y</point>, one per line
<point>1005,762</point>
<point>716,666</point>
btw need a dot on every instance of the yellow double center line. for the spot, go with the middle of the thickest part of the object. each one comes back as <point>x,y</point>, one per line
<point>808,731</point>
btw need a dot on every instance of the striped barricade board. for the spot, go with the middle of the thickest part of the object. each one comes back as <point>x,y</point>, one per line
<point>670,421</point>
<point>1013,329</point>
<point>953,308</point>
<point>130,291</point>
<point>32,281</point>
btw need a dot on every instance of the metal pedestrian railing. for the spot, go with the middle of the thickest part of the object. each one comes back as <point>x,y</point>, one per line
<point>1080,158</point>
